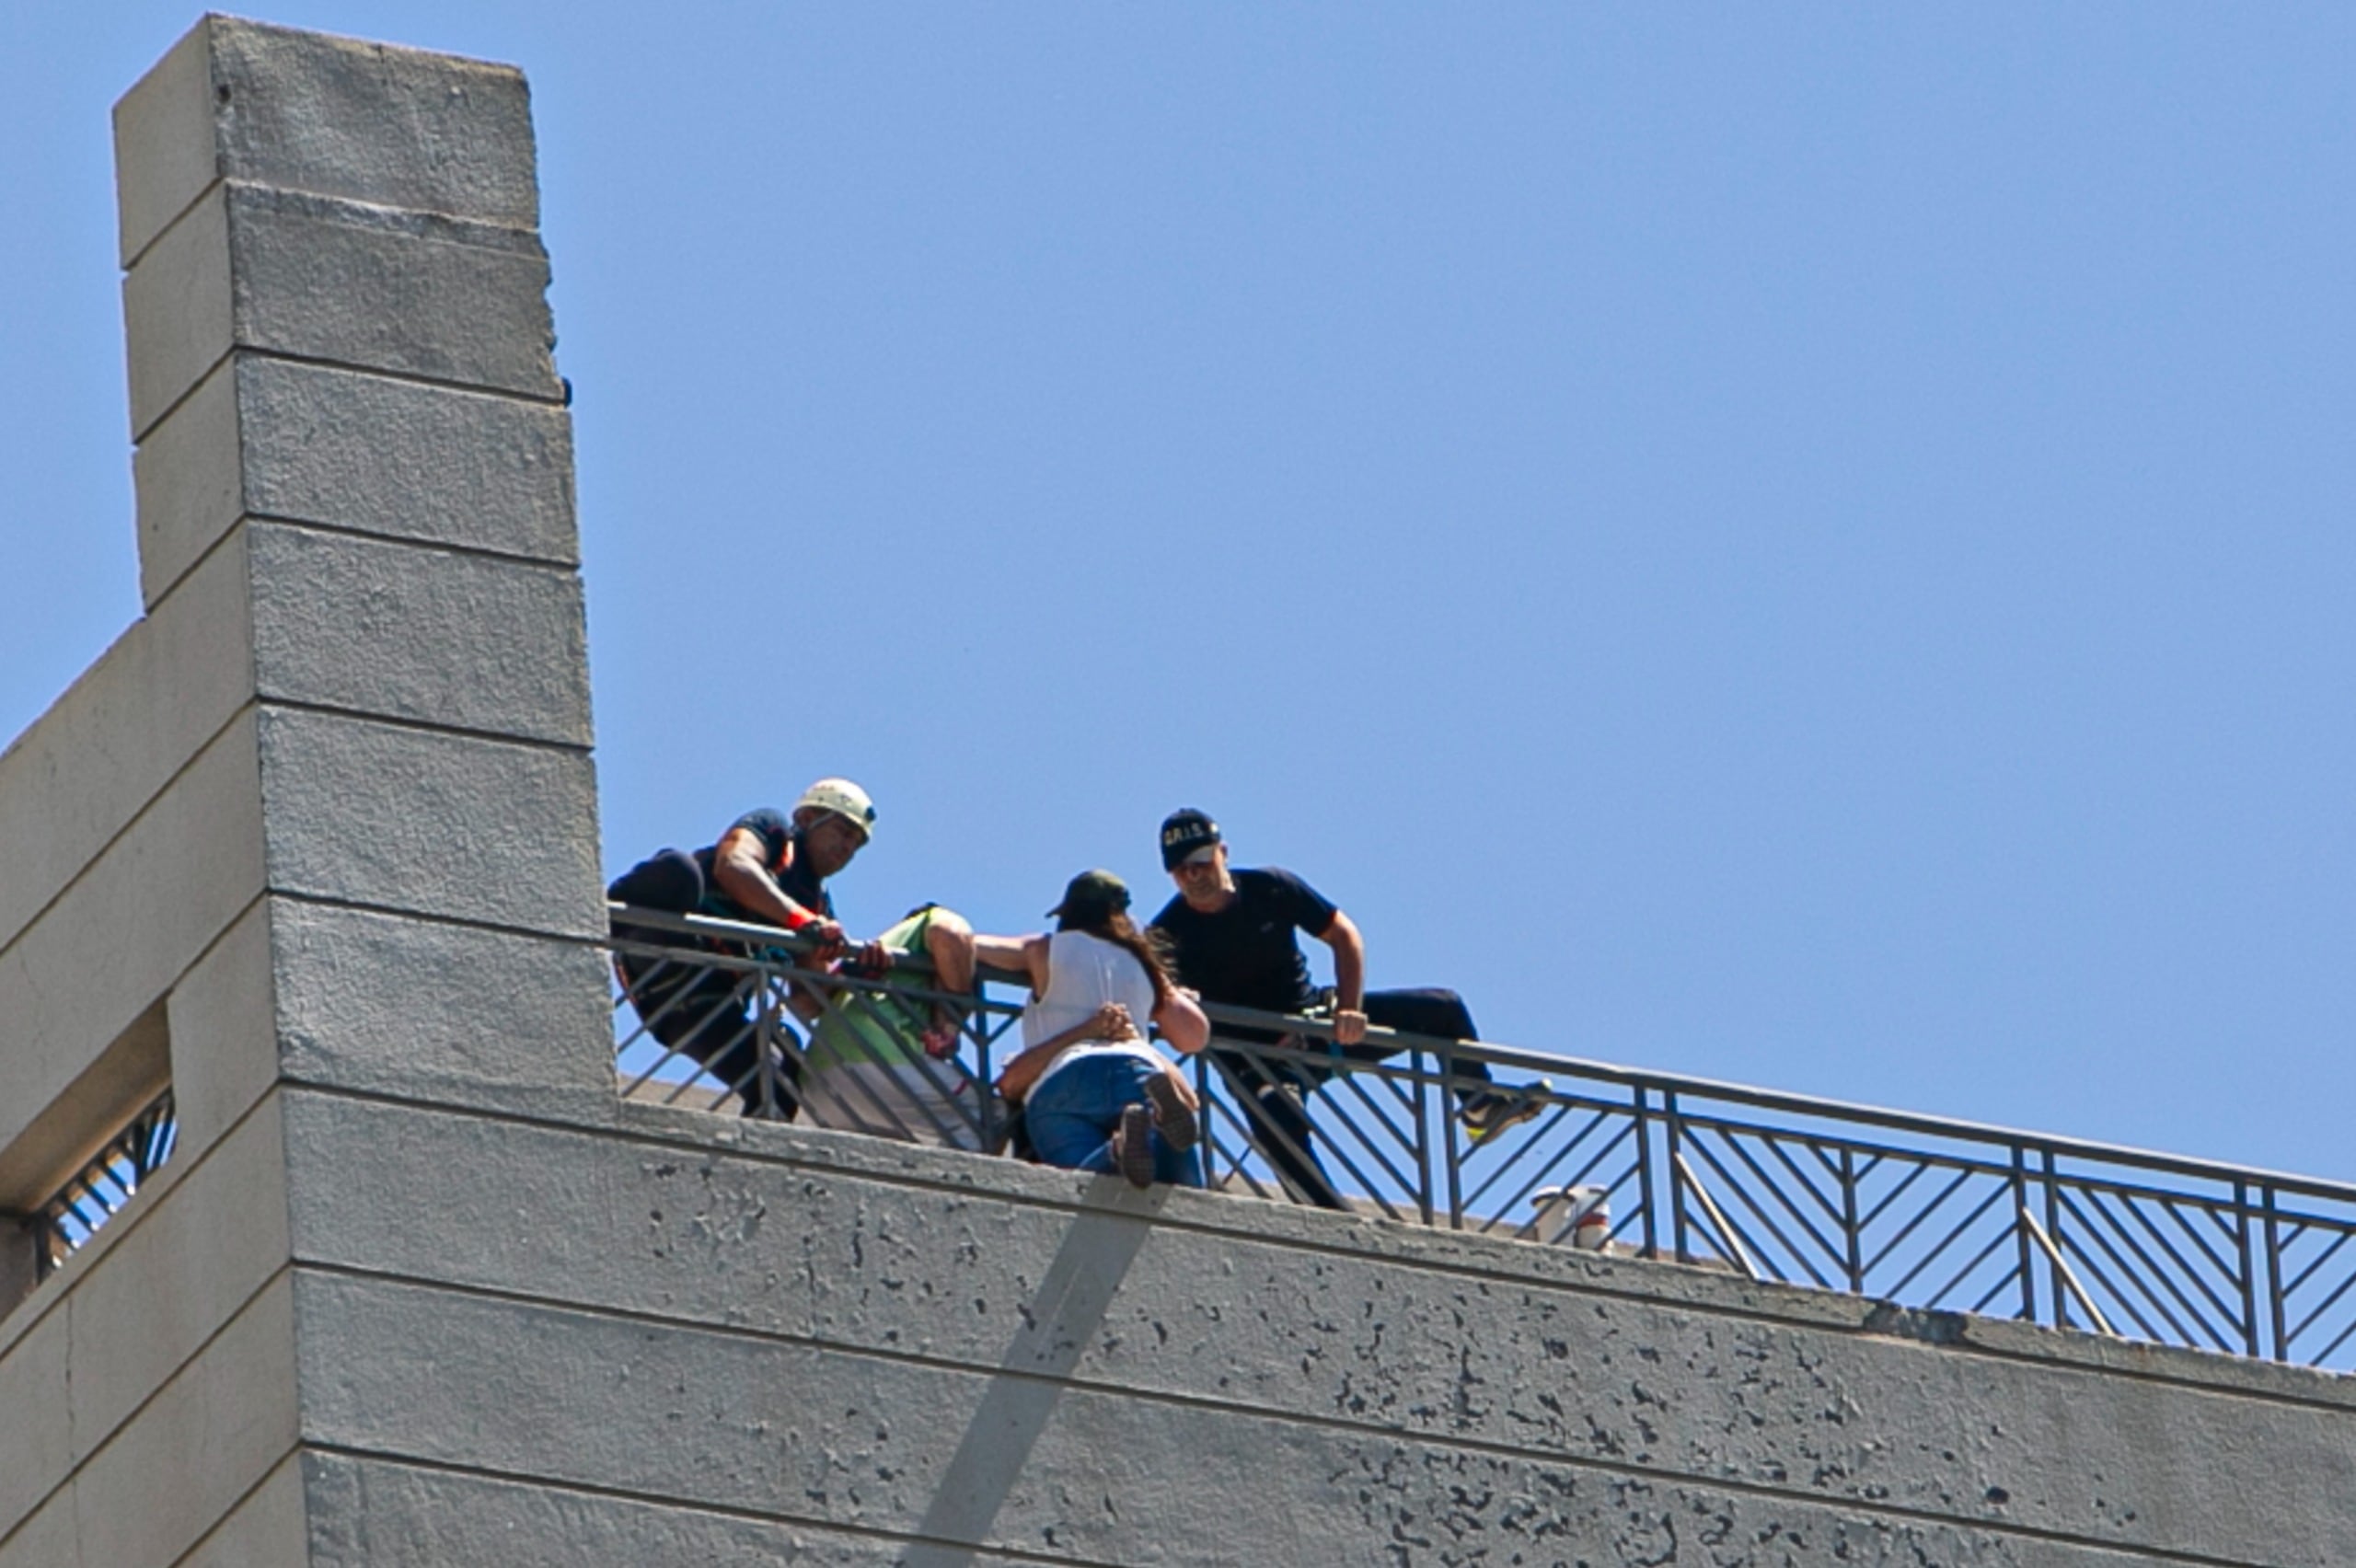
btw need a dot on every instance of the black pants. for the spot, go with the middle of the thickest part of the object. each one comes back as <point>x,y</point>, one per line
<point>705,1014</point>
<point>1274,1094</point>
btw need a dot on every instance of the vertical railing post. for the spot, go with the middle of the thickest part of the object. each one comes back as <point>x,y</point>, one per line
<point>2248,1268</point>
<point>2055,1282</point>
<point>1854,1243</point>
<point>2020,1235</point>
<point>764,1042</point>
<point>1423,1133</point>
<point>1645,1196</point>
<point>1675,1175</point>
<point>2280,1311</point>
<point>1447,1137</point>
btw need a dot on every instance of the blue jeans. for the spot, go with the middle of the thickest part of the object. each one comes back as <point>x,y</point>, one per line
<point>1071,1117</point>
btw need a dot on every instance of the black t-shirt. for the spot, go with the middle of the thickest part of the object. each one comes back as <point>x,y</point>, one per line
<point>1247,954</point>
<point>776,833</point>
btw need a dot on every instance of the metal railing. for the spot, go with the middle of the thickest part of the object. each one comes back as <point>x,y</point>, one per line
<point>96,1194</point>
<point>1922,1211</point>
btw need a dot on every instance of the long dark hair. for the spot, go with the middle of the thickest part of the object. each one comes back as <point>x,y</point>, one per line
<point>1115,927</point>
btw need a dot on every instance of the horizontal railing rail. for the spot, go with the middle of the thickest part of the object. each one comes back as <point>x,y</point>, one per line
<point>1922,1211</point>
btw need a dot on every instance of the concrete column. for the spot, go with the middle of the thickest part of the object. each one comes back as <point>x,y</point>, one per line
<point>344,403</point>
<point>325,818</point>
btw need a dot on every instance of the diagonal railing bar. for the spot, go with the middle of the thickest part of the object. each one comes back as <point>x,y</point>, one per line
<point>1915,1170</point>
<point>2154,1278</point>
<point>2338,1339</point>
<point>1277,1056</point>
<point>1547,1155</point>
<point>1923,1215</point>
<point>1823,1192</point>
<point>1726,1237</point>
<point>1959,1229</point>
<point>1774,1143</point>
<point>2125,1299</point>
<point>1742,1193</point>
<point>1220,1166</point>
<point>2188,1271</point>
<point>2227,1268</point>
<point>1402,1135</point>
<point>2299,1280</point>
<point>1555,1166</point>
<point>1955,1281</point>
<point>2325,1305</point>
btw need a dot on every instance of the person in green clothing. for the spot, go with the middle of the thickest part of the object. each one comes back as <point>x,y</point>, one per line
<point>884,1062</point>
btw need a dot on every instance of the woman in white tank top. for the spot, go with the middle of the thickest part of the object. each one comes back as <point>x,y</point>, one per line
<point>1095,1096</point>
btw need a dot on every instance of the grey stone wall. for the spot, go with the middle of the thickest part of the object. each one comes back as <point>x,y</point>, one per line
<point>316,841</point>
<point>325,814</point>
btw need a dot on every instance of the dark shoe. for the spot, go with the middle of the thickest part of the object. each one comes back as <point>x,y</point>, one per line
<point>1489,1111</point>
<point>1172,1113</point>
<point>1133,1146</point>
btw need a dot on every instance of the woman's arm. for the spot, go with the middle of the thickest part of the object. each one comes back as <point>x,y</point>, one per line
<point>1109,1022</point>
<point>1024,955</point>
<point>1180,1018</point>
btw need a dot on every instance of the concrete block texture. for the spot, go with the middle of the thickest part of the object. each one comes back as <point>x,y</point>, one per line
<point>317,278</point>
<point>74,781</point>
<point>223,1026</point>
<point>196,1449</point>
<point>183,1269</point>
<point>418,821</point>
<point>360,453</point>
<point>373,1514</point>
<point>118,938</point>
<point>411,632</point>
<point>450,1013</point>
<point>192,1455</point>
<point>1636,1371</point>
<point>269,1529</point>
<point>35,1392</point>
<point>194,1255</point>
<point>1008,1460</point>
<point>339,117</point>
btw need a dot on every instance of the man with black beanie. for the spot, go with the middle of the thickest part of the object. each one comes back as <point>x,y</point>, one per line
<point>1233,937</point>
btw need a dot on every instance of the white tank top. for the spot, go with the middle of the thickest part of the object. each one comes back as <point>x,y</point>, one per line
<point>1084,972</point>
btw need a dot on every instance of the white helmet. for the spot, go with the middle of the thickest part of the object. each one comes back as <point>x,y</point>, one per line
<point>841,797</point>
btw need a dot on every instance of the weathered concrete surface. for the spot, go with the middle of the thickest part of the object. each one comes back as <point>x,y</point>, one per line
<point>77,1366</point>
<point>195,1450</point>
<point>424,821</point>
<point>113,944</point>
<point>358,453</point>
<point>77,779</point>
<point>1265,1331</point>
<point>431,1011</point>
<point>273,1526</point>
<point>337,117</point>
<point>457,641</point>
<point>317,278</point>
<point>367,1512</point>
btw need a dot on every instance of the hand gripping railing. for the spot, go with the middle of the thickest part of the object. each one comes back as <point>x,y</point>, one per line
<point>1916,1210</point>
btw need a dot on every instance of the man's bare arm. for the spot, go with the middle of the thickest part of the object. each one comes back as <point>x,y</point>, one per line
<point>1349,977</point>
<point>738,867</point>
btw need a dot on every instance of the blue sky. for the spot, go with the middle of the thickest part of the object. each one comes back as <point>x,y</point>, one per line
<point>1809,547</point>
